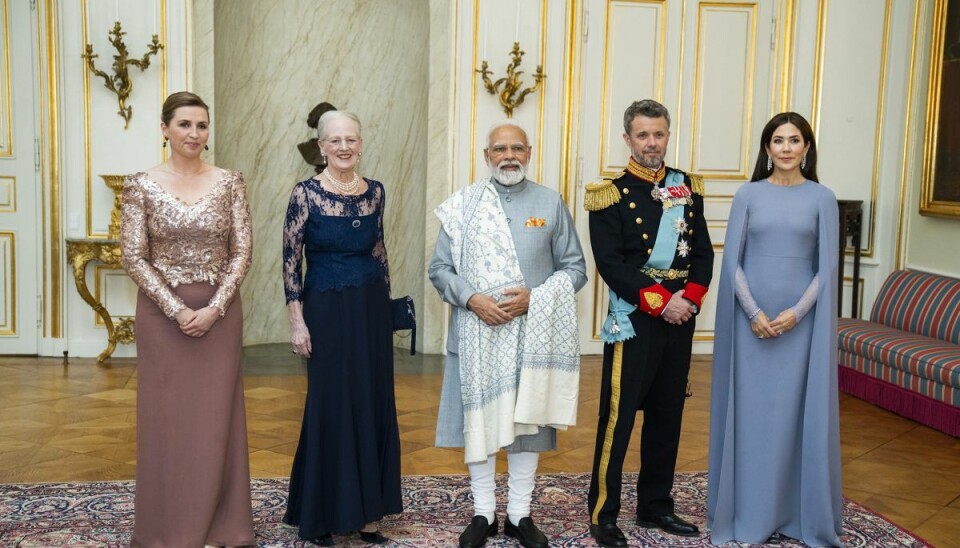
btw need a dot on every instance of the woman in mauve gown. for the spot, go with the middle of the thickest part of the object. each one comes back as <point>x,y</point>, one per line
<point>186,241</point>
<point>774,435</point>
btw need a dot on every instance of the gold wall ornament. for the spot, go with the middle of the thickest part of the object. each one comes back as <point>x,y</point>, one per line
<point>120,83</point>
<point>511,96</point>
<point>114,183</point>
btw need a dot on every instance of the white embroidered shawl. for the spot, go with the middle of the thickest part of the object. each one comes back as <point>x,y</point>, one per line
<point>550,366</point>
<point>484,255</point>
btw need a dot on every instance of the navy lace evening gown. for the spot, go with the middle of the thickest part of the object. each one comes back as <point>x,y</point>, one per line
<point>346,472</point>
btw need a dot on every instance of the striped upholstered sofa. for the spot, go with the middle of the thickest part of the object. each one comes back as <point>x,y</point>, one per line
<point>906,357</point>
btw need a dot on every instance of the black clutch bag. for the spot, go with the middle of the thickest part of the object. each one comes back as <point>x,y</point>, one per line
<point>404,316</point>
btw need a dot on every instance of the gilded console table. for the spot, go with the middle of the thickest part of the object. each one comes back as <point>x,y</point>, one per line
<point>80,253</point>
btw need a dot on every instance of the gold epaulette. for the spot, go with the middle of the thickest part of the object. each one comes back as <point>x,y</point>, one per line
<point>696,184</point>
<point>601,195</point>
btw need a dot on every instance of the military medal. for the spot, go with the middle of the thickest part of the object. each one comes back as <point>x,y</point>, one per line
<point>672,196</point>
<point>614,326</point>
<point>683,248</point>
<point>680,226</point>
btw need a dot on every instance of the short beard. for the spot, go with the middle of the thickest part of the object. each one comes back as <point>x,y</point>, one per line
<point>655,163</point>
<point>509,178</point>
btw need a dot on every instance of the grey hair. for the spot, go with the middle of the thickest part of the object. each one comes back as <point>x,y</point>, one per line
<point>647,108</point>
<point>332,115</point>
<point>507,122</point>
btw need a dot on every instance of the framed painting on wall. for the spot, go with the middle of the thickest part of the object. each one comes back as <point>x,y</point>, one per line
<point>940,179</point>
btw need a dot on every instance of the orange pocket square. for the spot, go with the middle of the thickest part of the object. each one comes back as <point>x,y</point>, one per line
<point>535,222</point>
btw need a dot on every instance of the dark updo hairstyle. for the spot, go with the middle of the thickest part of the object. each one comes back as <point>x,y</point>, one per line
<point>760,171</point>
<point>181,99</point>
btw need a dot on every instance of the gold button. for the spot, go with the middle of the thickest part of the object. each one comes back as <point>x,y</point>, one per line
<point>639,220</point>
<point>649,251</point>
<point>690,231</point>
<point>626,191</point>
<point>633,205</point>
<point>645,236</point>
<point>690,215</point>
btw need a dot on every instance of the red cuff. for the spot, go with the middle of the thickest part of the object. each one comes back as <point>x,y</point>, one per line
<point>653,299</point>
<point>694,293</point>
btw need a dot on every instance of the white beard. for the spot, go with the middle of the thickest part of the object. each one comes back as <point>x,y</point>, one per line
<point>509,178</point>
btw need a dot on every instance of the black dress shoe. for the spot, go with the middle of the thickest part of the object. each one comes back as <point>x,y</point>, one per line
<point>608,535</point>
<point>373,537</point>
<point>324,540</point>
<point>671,524</point>
<point>477,533</point>
<point>526,532</point>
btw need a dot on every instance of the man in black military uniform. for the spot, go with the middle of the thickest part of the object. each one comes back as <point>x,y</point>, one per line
<point>650,242</point>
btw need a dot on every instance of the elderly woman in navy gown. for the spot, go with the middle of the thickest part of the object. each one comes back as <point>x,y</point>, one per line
<point>346,472</point>
<point>774,440</point>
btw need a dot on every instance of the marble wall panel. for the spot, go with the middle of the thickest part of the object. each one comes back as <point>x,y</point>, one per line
<point>440,160</point>
<point>275,60</point>
<point>200,71</point>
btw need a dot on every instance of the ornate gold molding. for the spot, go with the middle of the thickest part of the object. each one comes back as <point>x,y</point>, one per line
<point>10,299</point>
<point>900,253</point>
<point>6,147</point>
<point>929,204</point>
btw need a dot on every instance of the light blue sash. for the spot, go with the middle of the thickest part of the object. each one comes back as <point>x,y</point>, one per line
<point>666,247</point>
<point>617,326</point>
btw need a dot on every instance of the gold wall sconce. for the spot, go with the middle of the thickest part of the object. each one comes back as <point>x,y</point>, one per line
<point>511,96</point>
<point>120,82</point>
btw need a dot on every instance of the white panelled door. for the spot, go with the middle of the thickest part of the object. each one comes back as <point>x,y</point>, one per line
<point>20,224</point>
<point>712,64</point>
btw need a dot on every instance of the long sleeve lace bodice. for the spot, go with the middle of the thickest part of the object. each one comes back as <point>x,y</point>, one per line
<point>165,242</point>
<point>341,236</point>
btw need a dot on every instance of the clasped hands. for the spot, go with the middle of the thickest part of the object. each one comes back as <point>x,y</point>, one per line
<point>196,323</point>
<point>764,328</point>
<point>494,313</point>
<point>678,309</point>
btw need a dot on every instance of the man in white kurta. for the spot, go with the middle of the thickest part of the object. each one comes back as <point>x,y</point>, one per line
<point>509,261</point>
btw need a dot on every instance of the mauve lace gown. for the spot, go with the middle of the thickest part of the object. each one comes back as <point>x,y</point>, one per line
<point>193,477</point>
<point>346,472</point>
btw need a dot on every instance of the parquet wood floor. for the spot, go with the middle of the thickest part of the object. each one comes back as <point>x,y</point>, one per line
<point>78,423</point>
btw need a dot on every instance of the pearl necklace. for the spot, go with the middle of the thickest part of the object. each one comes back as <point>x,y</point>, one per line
<point>343,188</point>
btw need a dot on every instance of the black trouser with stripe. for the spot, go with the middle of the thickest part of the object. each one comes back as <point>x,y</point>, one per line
<point>649,373</point>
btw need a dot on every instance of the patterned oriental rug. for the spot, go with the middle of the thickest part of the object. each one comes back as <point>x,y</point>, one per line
<point>437,508</point>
